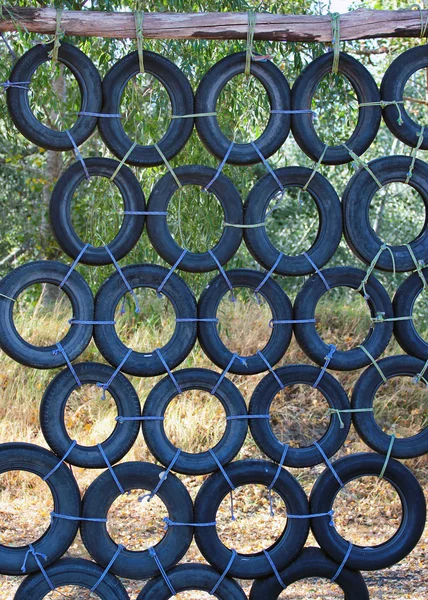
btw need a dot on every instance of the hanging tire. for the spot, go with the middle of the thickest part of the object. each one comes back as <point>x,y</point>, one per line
<point>207,95</point>
<point>182,103</point>
<point>178,293</point>
<point>209,337</point>
<point>329,213</point>
<point>287,546</point>
<point>392,90</point>
<point>78,292</point>
<point>312,562</point>
<point>103,492</point>
<point>52,415</point>
<point>192,577</point>
<point>405,331</point>
<point>76,572</point>
<point>59,536</point>
<point>356,200</point>
<point>60,210</point>
<point>89,83</point>
<point>369,558</point>
<point>307,336</point>
<point>165,392</point>
<point>157,227</point>
<point>369,117</point>
<point>261,429</point>
<point>363,397</point>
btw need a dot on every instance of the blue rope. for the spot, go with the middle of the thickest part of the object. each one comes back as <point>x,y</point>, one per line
<point>229,482</point>
<point>268,167</point>
<point>108,567</point>
<point>301,111</point>
<point>155,213</point>
<point>169,523</point>
<point>55,515</point>
<point>83,113</point>
<point>225,572</point>
<point>327,362</point>
<point>274,569</point>
<point>273,322</point>
<point>329,465</point>
<point>220,167</point>
<point>317,271</point>
<point>162,479</point>
<point>224,373</point>
<point>59,349</point>
<point>39,564</point>
<point>342,564</point>
<point>269,366</point>
<point>330,514</point>
<point>274,480</point>
<point>152,553</point>
<point>74,321</point>
<point>57,466</point>
<point>170,272</point>
<point>269,273</point>
<point>121,419</point>
<point>190,320</point>
<point>125,281</point>
<point>110,468</point>
<point>235,417</point>
<point>74,265</point>
<point>9,49</point>
<point>168,370</point>
<point>22,85</point>
<point>223,273</point>
<point>78,155</point>
<point>106,385</point>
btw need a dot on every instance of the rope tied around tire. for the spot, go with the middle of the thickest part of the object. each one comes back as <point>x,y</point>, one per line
<point>77,154</point>
<point>329,464</point>
<point>267,275</point>
<point>59,34</point>
<point>228,480</point>
<point>275,478</point>
<point>152,554</point>
<point>343,563</point>
<point>153,493</point>
<point>225,572</point>
<point>419,266</point>
<point>21,85</point>
<point>120,547</point>
<point>314,171</point>
<point>388,456</point>
<point>111,470</point>
<point>139,19</point>
<point>327,359</point>
<point>268,167</point>
<point>384,104</point>
<point>36,555</point>
<point>226,370</point>
<point>380,318</point>
<point>420,376</point>
<point>123,160</point>
<point>60,462</point>
<point>59,349</point>
<point>373,361</point>
<point>224,274</point>
<point>170,272</point>
<point>55,515</point>
<point>338,411</point>
<point>249,55</point>
<point>414,154</point>
<point>372,266</point>
<point>169,523</point>
<point>220,167</point>
<point>335,40</point>
<point>317,271</point>
<point>362,164</point>
<point>125,281</point>
<point>274,569</point>
<point>107,384</point>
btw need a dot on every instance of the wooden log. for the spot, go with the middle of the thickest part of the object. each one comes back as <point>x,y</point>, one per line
<point>358,24</point>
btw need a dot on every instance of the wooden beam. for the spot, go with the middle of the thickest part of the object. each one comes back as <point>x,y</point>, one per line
<point>358,24</point>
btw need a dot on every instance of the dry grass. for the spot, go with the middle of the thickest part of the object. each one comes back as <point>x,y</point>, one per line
<point>367,511</point>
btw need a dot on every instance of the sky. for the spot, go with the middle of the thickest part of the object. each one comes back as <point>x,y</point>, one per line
<point>340,6</point>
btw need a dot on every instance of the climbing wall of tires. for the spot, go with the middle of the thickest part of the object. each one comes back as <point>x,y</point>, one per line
<point>286,561</point>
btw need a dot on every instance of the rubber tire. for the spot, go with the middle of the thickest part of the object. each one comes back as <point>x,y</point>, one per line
<point>61,205</point>
<point>52,415</point>
<point>260,404</point>
<point>82,301</point>
<point>59,536</point>
<point>206,98</point>
<point>405,332</point>
<point>182,103</point>
<point>357,197</point>
<point>89,83</point>
<point>365,423</point>
<point>307,336</point>
<point>312,562</point>
<point>288,545</point>
<point>384,555</point>
<point>178,293</point>
<point>192,577</point>
<point>369,117</point>
<point>103,492</point>
<point>72,571</point>
<point>208,335</point>
<point>157,227</point>
<point>164,393</point>
<point>392,88</point>
<point>329,213</point>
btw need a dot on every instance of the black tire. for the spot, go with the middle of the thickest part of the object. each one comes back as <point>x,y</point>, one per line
<point>369,117</point>
<point>209,337</point>
<point>52,415</point>
<point>261,429</point>
<point>103,492</point>
<point>89,83</point>
<point>329,213</point>
<point>357,197</point>
<point>202,462</point>
<point>159,233</point>
<point>61,205</point>
<point>307,336</point>
<point>286,547</point>
<point>404,301</point>
<point>208,92</point>
<point>369,558</point>
<point>363,396</point>
<point>312,562</point>
<point>392,89</point>
<point>82,301</point>
<point>65,492</point>
<point>182,103</point>
<point>182,300</point>
<point>192,577</point>
<point>76,572</point>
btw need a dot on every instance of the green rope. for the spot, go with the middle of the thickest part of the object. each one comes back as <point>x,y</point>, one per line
<point>420,376</point>
<point>312,175</point>
<point>359,161</point>
<point>414,153</point>
<point>250,41</point>
<point>8,297</point>
<point>383,104</point>
<point>419,264</point>
<point>424,26</point>
<point>122,162</point>
<point>207,114</point>
<point>168,166</point>
<point>58,35</point>
<point>379,318</point>
<point>243,226</point>
<point>335,40</point>
<point>388,456</point>
<point>372,265</point>
<point>374,362</point>
<point>139,18</point>
<point>337,411</point>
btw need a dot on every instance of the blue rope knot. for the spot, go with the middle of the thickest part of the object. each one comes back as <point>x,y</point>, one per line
<point>35,554</point>
<point>379,318</point>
